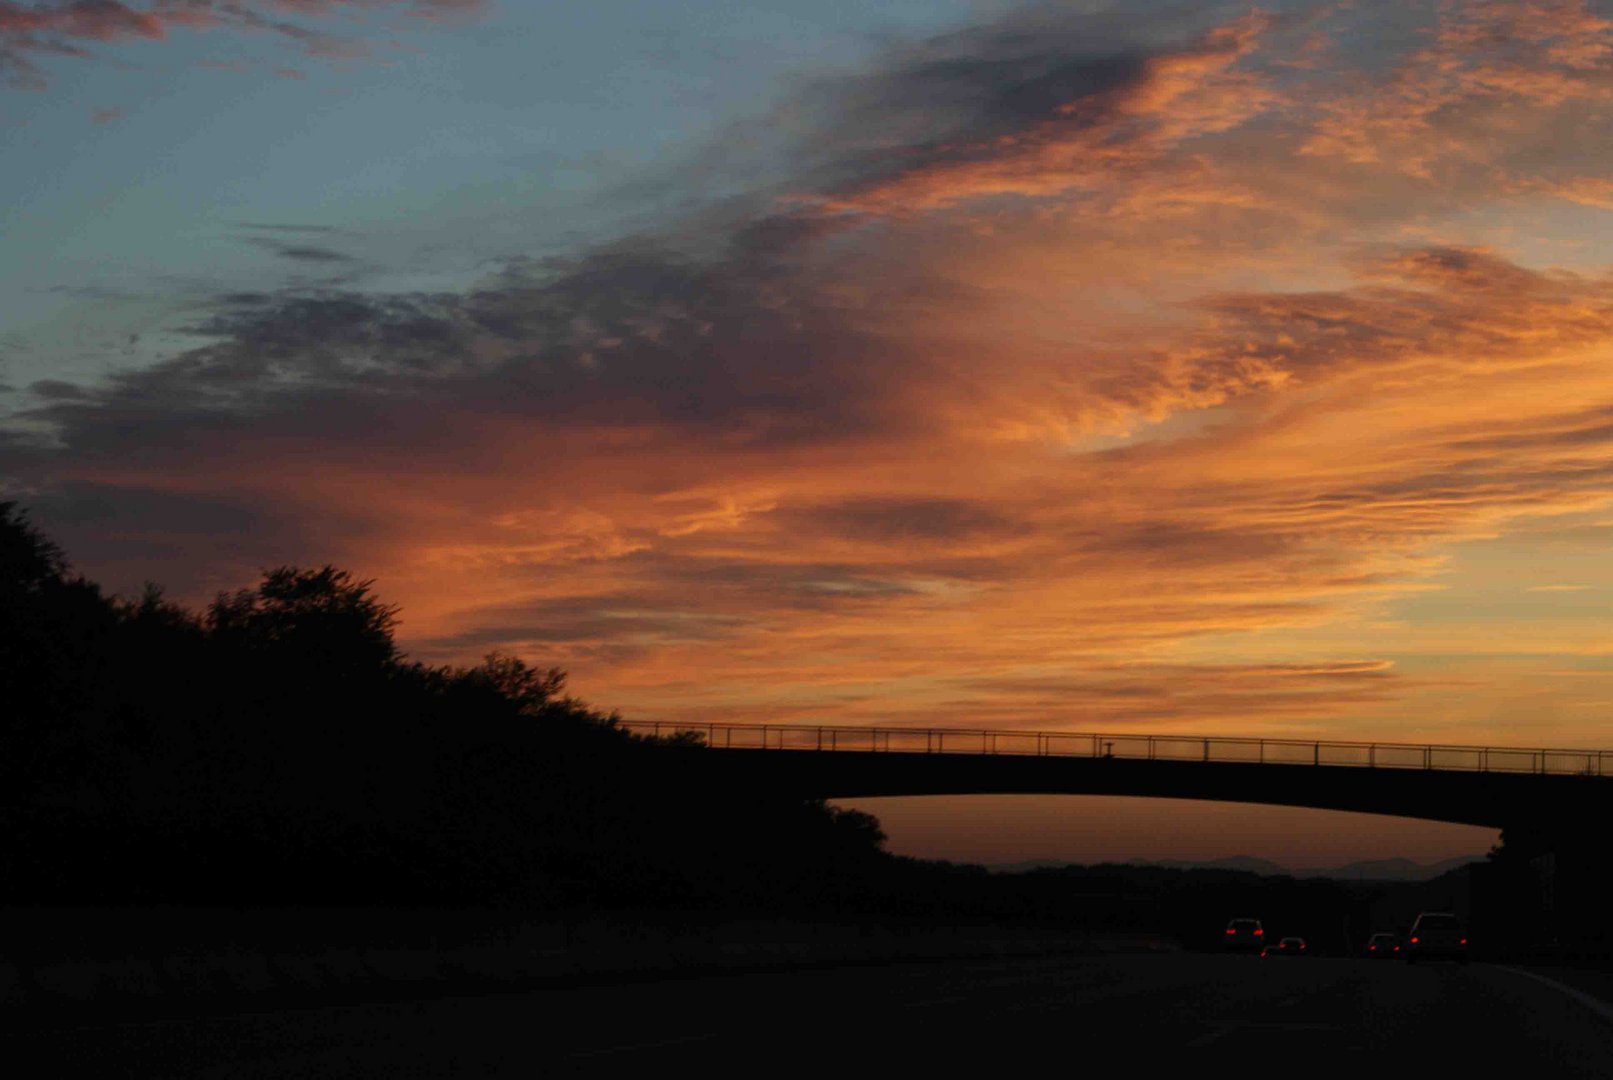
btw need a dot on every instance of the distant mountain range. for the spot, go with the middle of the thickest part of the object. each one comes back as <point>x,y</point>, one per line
<point>1364,870</point>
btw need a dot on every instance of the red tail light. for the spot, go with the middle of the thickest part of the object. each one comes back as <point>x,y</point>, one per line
<point>1259,932</point>
<point>1464,941</point>
<point>1372,948</point>
<point>1414,941</point>
<point>1231,931</point>
<point>1397,948</point>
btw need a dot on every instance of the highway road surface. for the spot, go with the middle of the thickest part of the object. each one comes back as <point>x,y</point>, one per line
<point>1032,1015</point>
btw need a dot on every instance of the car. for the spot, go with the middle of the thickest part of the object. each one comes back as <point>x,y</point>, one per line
<point>1243,935</point>
<point>1288,946</point>
<point>1436,935</point>
<point>1383,946</point>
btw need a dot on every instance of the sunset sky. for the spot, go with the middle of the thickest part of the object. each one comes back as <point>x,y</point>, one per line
<point>1173,367</point>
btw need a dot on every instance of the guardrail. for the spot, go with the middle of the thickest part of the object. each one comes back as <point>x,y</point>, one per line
<point>1131,747</point>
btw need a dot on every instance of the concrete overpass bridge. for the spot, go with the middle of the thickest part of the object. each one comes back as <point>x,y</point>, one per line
<point>1493,786</point>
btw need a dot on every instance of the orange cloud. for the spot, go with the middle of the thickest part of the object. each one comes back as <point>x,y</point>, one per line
<point>1152,387</point>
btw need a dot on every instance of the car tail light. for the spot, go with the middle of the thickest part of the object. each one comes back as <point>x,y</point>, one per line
<point>1372,948</point>
<point>1414,941</point>
<point>1258,933</point>
<point>1397,948</point>
<point>1464,941</point>
<point>1231,931</point>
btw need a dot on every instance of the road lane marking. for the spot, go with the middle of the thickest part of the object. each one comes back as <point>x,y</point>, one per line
<point>1600,1008</point>
<point>629,1047</point>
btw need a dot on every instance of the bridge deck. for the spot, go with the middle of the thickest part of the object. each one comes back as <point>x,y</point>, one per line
<point>1498,787</point>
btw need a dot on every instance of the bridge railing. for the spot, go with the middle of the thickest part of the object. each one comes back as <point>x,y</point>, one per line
<point>1134,747</point>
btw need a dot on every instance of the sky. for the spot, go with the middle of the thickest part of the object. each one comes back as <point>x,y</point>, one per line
<point>1157,367</point>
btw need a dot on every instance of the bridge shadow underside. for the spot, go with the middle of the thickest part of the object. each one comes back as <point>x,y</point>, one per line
<point>1491,799</point>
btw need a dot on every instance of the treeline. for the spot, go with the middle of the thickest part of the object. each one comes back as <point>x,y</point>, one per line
<point>278,748</point>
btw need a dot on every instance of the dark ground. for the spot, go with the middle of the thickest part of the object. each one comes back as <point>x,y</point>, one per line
<point>1260,1017</point>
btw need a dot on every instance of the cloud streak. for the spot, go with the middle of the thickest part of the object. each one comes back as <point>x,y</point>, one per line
<point>31,32</point>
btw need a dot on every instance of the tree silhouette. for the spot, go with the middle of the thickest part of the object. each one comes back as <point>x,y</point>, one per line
<point>319,618</point>
<point>277,747</point>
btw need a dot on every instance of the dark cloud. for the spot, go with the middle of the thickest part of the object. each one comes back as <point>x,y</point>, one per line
<point>58,390</point>
<point>226,539</point>
<point>301,252</point>
<point>895,519</point>
<point>740,347</point>
<point>959,96</point>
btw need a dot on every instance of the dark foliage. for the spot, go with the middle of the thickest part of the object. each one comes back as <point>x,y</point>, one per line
<point>278,749</point>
